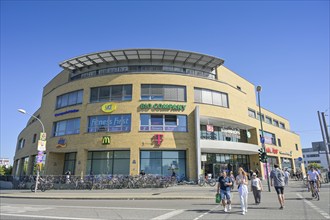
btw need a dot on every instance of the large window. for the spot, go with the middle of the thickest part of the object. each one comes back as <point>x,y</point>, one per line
<point>108,162</point>
<point>252,113</point>
<point>163,162</point>
<point>68,99</point>
<point>220,134</point>
<point>111,93</point>
<point>20,143</point>
<point>269,138</point>
<point>69,162</point>
<point>211,97</point>
<point>71,126</point>
<point>163,92</point>
<point>163,122</point>
<point>109,123</point>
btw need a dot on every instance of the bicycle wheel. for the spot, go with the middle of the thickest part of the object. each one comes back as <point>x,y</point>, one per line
<point>201,182</point>
<point>33,186</point>
<point>212,182</point>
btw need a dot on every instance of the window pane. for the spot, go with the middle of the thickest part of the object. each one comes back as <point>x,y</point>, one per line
<point>122,154</point>
<point>94,94</point>
<point>181,93</point>
<point>121,166</point>
<point>156,119</point>
<point>198,95</point>
<point>217,98</point>
<point>116,93</point>
<point>157,92</point>
<point>72,98</point>
<point>170,93</point>
<point>127,92</point>
<point>79,96</point>
<point>170,120</point>
<point>224,100</point>
<point>207,96</point>
<point>145,92</point>
<point>104,94</point>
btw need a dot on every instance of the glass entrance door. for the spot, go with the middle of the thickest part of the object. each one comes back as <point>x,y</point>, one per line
<point>218,167</point>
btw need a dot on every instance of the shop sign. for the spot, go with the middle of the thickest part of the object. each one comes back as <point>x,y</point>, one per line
<point>286,153</point>
<point>106,140</point>
<point>66,112</point>
<point>228,132</point>
<point>61,143</point>
<point>158,139</point>
<point>163,107</point>
<point>109,107</point>
<point>271,150</point>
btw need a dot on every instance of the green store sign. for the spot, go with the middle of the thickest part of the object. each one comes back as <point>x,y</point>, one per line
<point>163,107</point>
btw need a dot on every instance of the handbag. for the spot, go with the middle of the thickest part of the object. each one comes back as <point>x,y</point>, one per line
<point>217,198</point>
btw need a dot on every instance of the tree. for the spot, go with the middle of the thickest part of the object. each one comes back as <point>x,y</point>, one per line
<point>2,170</point>
<point>315,165</point>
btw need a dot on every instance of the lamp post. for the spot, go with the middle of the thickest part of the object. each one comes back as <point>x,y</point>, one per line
<point>262,134</point>
<point>43,131</point>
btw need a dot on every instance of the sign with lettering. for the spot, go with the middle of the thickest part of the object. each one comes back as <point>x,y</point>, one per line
<point>106,140</point>
<point>228,132</point>
<point>66,112</point>
<point>162,107</point>
<point>271,150</point>
<point>209,128</point>
<point>109,107</point>
<point>43,136</point>
<point>286,153</point>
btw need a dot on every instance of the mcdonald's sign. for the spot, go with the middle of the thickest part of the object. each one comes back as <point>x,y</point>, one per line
<point>106,140</point>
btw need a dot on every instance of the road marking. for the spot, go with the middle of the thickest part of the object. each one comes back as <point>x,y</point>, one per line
<point>95,207</point>
<point>13,209</point>
<point>47,217</point>
<point>169,215</point>
<point>320,211</point>
<point>206,212</point>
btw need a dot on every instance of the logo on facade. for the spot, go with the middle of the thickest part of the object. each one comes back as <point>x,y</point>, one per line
<point>158,139</point>
<point>61,143</point>
<point>162,107</point>
<point>271,150</point>
<point>109,107</point>
<point>106,140</point>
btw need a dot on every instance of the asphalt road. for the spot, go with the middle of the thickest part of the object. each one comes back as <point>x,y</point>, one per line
<point>299,205</point>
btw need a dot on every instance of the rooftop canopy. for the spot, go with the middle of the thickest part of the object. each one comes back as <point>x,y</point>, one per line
<point>129,56</point>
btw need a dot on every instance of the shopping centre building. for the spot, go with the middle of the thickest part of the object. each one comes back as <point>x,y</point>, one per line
<point>157,110</point>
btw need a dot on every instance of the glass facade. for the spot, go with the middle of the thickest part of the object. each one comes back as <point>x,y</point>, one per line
<point>163,92</point>
<point>229,162</point>
<point>110,123</point>
<point>163,162</point>
<point>159,122</point>
<point>69,99</point>
<point>69,162</point>
<point>108,162</point>
<point>211,97</point>
<point>65,127</point>
<point>220,134</point>
<point>111,93</point>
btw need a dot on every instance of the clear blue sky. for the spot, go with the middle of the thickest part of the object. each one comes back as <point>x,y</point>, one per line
<point>281,45</point>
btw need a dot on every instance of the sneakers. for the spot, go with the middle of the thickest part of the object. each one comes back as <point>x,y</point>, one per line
<point>243,213</point>
<point>226,209</point>
<point>281,207</point>
<point>229,207</point>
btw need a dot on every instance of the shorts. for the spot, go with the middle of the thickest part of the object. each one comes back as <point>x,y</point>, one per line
<point>279,189</point>
<point>225,194</point>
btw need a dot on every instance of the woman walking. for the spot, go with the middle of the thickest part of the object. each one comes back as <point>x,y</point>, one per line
<point>242,182</point>
<point>256,188</point>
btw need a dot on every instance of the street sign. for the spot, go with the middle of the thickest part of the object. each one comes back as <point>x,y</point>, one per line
<point>262,140</point>
<point>41,145</point>
<point>300,159</point>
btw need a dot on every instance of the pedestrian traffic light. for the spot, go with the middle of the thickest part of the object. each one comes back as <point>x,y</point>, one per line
<point>260,154</point>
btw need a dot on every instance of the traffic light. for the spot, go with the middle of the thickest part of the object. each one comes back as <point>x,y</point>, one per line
<point>264,157</point>
<point>261,151</point>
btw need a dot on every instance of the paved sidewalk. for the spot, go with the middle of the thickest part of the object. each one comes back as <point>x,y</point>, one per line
<point>175,192</point>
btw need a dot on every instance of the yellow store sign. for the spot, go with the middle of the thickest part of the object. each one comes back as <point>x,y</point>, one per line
<point>109,107</point>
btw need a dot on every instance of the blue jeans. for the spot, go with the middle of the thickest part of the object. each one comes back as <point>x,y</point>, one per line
<point>225,194</point>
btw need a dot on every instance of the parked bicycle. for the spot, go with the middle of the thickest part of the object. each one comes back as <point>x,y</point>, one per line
<point>206,180</point>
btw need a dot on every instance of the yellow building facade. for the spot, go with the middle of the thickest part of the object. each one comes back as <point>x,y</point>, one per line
<point>157,110</point>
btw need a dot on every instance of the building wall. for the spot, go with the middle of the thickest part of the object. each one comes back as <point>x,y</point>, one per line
<point>240,99</point>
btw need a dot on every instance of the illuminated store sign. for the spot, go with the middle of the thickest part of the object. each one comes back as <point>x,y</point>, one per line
<point>67,112</point>
<point>109,107</point>
<point>163,107</point>
<point>106,140</point>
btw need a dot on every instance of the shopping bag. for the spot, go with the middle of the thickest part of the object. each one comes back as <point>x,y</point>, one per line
<point>217,198</point>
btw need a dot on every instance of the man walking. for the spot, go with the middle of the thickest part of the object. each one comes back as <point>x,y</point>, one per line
<point>224,187</point>
<point>277,175</point>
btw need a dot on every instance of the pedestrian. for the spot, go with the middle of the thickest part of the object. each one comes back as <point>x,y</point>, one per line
<point>142,173</point>
<point>256,188</point>
<point>286,177</point>
<point>277,176</point>
<point>67,177</point>
<point>232,177</point>
<point>257,172</point>
<point>242,182</point>
<point>224,186</point>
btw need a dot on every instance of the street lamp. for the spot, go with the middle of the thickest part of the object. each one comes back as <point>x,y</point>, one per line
<point>43,131</point>
<point>262,134</point>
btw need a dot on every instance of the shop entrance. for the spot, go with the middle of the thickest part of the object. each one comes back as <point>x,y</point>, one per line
<point>217,167</point>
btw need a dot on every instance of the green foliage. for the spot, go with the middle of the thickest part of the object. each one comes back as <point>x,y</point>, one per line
<point>316,165</point>
<point>2,171</point>
<point>6,171</point>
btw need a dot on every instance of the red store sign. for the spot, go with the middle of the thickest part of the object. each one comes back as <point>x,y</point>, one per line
<point>271,150</point>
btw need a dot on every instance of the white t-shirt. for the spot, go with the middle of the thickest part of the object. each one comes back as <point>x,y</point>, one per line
<point>313,175</point>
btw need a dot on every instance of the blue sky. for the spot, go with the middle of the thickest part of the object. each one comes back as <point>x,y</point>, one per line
<point>281,45</point>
